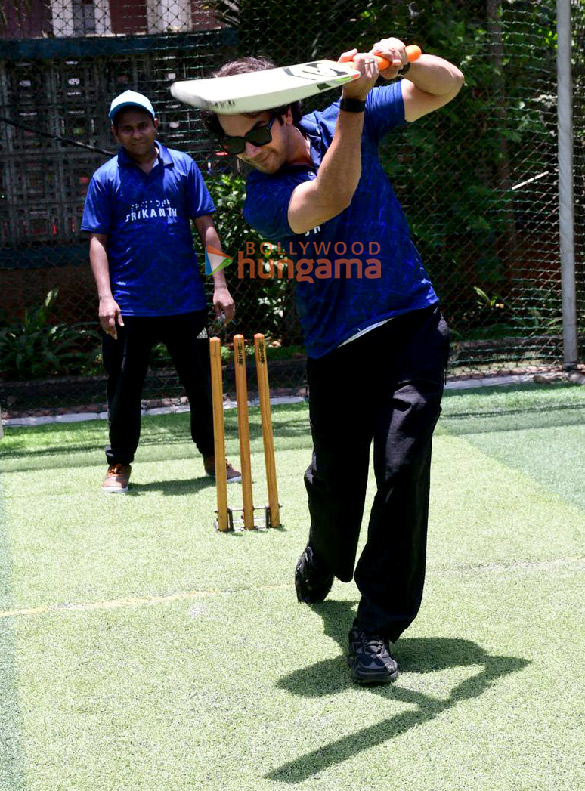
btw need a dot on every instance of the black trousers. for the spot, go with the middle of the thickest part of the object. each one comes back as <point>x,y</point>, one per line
<point>126,361</point>
<point>382,390</point>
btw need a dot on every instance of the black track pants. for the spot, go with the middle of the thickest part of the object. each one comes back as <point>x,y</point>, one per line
<point>126,362</point>
<point>382,390</point>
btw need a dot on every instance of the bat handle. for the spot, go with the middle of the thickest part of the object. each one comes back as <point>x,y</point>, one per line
<point>413,52</point>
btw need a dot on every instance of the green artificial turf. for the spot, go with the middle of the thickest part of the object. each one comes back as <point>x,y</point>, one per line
<point>141,650</point>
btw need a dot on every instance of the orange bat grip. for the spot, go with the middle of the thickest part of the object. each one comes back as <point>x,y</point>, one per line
<point>413,52</point>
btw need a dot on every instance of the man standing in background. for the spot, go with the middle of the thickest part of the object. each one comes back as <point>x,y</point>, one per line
<point>138,210</point>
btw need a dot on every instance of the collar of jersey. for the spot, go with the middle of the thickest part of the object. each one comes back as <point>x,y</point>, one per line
<point>163,155</point>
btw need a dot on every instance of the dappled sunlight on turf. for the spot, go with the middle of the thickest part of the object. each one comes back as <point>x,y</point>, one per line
<point>142,650</point>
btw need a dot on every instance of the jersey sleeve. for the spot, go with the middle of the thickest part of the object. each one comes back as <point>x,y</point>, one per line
<point>199,201</point>
<point>96,211</point>
<point>384,110</point>
<point>266,206</point>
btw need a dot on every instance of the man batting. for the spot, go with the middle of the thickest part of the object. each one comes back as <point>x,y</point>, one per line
<point>376,345</point>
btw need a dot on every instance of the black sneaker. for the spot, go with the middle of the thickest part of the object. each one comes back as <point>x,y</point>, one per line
<point>369,658</point>
<point>313,580</point>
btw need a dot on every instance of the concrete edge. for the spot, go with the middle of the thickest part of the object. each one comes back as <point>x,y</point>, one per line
<point>462,384</point>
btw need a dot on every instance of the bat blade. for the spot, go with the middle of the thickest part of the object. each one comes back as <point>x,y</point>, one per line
<point>262,90</point>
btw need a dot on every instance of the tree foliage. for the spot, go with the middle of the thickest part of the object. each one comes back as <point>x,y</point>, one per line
<point>454,170</point>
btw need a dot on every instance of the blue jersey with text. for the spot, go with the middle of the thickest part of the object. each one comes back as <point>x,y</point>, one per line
<point>153,267</point>
<point>360,267</point>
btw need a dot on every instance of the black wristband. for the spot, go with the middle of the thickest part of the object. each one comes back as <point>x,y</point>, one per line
<point>352,105</point>
<point>404,70</point>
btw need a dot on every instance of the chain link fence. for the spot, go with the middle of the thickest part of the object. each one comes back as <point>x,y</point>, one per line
<point>478,180</point>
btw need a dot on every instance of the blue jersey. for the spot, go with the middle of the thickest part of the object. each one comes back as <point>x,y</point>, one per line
<point>359,268</point>
<point>153,266</point>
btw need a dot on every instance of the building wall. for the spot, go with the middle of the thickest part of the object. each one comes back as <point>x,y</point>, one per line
<point>74,18</point>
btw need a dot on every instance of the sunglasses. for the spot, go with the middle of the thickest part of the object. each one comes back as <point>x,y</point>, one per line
<point>258,136</point>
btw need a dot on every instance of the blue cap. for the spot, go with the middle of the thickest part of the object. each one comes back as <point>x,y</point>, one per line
<point>130,99</point>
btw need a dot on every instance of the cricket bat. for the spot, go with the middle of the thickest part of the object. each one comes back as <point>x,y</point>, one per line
<point>262,90</point>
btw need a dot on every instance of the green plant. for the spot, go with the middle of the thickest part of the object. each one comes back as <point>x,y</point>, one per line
<point>456,172</point>
<point>540,311</point>
<point>488,304</point>
<point>37,346</point>
<point>537,311</point>
<point>486,316</point>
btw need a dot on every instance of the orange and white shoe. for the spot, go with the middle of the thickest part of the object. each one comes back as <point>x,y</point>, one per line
<point>116,480</point>
<point>233,475</point>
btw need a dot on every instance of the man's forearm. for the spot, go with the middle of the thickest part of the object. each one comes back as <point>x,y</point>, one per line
<point>219,280</point>
<point>315,202</point>
<point>109,310</point>
<point>331,192</point>
<point>209,238</point>
<point>100,268</point>
<point>102,280</point>
<point>435,75</point>
<point>341,166</point>
<point>222,299</point>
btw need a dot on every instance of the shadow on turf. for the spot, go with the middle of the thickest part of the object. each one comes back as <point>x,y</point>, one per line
<point>169,487</point>
<point>414,655</point>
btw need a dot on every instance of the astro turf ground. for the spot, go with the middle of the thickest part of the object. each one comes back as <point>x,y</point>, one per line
<point>141,650</point>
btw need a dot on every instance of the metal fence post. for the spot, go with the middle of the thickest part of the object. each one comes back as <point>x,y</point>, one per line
<point>566,189</point>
